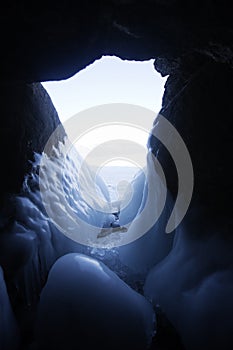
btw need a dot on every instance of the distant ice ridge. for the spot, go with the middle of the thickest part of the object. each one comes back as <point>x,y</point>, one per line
<point>113,175</point>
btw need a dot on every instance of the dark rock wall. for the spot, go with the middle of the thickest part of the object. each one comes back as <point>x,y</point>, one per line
<point>28,118</point>
<point>200,107</point>
<point>53,40</point>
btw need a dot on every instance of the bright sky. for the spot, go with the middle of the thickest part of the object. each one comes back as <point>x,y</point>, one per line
<point>108,80</point>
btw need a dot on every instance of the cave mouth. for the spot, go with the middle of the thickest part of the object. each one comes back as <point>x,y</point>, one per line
<point>111,80</point>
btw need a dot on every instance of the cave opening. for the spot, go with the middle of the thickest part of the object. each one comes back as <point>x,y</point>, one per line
<point>114,150</point>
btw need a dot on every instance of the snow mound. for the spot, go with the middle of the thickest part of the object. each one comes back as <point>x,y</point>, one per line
<point>85,304</point>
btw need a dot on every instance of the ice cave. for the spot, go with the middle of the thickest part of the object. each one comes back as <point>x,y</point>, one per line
<point>149,269</point>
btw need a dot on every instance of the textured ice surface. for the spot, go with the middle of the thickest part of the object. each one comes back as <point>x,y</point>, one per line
<point>85,304</point>
<point>75,199</point>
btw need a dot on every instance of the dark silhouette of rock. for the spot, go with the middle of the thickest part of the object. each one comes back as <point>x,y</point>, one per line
<point>53,40</point>
<point>200,109</point>
<point>28,118</point>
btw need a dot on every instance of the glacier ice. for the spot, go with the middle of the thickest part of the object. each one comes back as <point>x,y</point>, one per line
<point>85,304</point>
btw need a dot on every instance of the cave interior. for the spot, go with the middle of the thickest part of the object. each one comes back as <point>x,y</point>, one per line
<point>183,281</point>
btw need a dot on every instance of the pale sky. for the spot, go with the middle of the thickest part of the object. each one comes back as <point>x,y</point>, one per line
<point>108,80</point>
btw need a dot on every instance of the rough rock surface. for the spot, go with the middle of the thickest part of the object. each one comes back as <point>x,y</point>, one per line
<point>199,107</point>
<point>53,40</point>
<point>28,118</point>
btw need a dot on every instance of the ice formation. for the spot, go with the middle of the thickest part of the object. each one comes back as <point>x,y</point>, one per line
<point>192,282</point>
<point>85,304</point>
<point>36,242</point>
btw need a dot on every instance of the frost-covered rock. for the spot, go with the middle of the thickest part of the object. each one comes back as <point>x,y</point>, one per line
<point>85,304</point>
<point>9,336</point>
